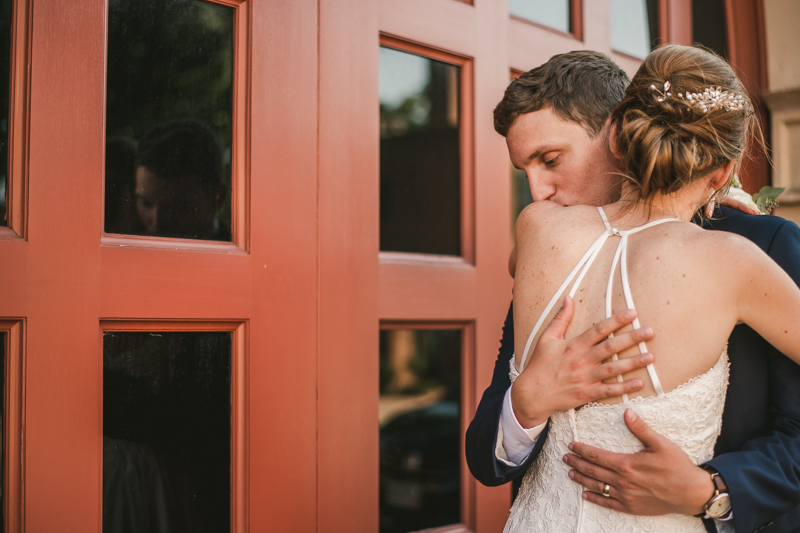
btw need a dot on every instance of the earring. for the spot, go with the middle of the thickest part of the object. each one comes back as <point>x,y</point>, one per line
<point>710,204</point>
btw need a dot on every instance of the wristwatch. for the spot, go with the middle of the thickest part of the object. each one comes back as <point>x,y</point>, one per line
<point>719,505</point>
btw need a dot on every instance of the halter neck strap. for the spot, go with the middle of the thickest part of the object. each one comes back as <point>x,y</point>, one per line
<point>620,258</point>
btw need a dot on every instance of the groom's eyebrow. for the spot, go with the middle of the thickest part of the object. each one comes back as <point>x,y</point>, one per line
<point>533,156</point>
<point>550,146</point>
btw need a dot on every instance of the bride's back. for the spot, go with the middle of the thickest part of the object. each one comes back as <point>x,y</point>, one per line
<point>675,272</point>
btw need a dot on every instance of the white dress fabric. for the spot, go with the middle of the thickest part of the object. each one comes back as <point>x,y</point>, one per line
<point>689,415</point>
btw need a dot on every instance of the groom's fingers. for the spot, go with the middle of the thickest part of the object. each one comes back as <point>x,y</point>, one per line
<point>589,472</point>
<point>596,463</point>
<point>558,326</point>
<point>604,328</point>
<point>601,391</point>
<point>646,435</point>
<point>622,366</point>
<point>618,343</point>
<point>602,501</point>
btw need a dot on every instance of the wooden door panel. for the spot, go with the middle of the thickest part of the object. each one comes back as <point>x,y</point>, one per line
<point>282,370</point>
<point>159,283</point>
<point>348,258</point>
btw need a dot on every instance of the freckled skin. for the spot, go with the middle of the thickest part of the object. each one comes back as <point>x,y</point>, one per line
<point>706,308</point>
<point>562,162</point>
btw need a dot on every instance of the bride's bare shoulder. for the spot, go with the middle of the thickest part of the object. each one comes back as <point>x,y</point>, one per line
<point>719,247</point>
<point>544,214</point>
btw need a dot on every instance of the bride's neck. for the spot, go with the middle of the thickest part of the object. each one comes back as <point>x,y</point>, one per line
<point>682,204</point>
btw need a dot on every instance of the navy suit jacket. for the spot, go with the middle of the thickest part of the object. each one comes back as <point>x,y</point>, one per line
<point>758,451</point>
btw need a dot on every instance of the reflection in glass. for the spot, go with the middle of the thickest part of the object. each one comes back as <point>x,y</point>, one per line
<point>634,26</point>
<point>5,81</point>
<point>420,430</point>
<point>169,119</point>
<point>166,432</point>
<point>520,195</point>
<point>552,13</point>
<point>420,203</point>
<point>708,25</point>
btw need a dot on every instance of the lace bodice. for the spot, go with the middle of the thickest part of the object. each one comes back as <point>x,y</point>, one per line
<point>549,501</point>
<point>689,415</point>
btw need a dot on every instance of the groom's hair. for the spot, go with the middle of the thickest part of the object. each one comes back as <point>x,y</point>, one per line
<point>582,86</point>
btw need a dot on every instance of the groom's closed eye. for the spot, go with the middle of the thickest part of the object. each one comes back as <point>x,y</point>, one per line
<point>550,160</point>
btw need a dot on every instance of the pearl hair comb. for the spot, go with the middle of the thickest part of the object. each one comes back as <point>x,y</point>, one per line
<point>710,98</point>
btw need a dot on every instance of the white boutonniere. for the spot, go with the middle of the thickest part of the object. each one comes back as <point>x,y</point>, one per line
<point>764,200</point>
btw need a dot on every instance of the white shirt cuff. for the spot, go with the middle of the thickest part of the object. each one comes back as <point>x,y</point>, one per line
<point>724,525</point>
<point>514,443</point>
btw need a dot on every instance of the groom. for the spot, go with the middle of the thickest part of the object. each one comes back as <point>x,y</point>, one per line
<point>554,119</point>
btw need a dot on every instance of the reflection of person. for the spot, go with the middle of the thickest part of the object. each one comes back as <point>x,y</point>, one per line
<point>179,187</point>
<point>120,184</point>
<point>553,118</point>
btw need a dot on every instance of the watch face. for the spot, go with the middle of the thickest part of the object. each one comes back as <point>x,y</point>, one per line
<point>720,506</point>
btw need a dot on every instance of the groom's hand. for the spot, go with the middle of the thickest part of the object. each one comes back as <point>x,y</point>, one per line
<point>657,480</point>
<point>563,374</point>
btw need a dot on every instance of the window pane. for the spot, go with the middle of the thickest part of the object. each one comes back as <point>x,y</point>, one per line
<point>420,183</point>
<point>166,432</point>
<point>420,430</point>
<point>520,195</point>
<point>553,13</point>
<point>708,25</point>
<point>5,81</point>
<point>168,122</point>
<point>634,26</point>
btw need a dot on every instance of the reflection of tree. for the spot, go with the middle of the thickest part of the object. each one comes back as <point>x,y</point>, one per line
<point>434,107</point>
<point>420,181</point>
<point>169,60</point>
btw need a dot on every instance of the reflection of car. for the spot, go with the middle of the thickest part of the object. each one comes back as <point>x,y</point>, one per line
<point>420,458</point>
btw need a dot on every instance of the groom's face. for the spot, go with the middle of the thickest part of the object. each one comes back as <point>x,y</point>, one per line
<point>562,162</point>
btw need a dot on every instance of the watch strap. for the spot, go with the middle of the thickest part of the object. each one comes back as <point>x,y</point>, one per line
<point>719,488</point>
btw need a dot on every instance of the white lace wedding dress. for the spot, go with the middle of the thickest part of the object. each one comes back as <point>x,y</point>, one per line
<point>689,415</point>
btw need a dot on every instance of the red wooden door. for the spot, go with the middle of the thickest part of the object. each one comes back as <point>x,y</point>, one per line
<point>65,282</point>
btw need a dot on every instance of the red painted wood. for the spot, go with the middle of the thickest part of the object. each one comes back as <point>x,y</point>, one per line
<point>283,275</point>
<point>347,357</point>
<point>747,54</point>
<point>679,20</point>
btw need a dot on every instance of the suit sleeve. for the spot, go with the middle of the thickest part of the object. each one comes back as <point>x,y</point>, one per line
<point>481,438</point>
<point>763,478</point>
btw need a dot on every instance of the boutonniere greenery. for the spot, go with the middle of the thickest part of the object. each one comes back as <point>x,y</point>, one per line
<point>764,200</point>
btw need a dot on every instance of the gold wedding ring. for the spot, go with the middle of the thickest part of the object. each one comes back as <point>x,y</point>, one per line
<point>606,487</point>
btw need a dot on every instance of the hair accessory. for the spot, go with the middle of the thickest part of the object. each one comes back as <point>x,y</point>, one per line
<point>710,98</point>
<point>662,94</point>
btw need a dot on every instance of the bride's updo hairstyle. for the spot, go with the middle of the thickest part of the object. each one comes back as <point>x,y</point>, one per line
<point>684,114</point>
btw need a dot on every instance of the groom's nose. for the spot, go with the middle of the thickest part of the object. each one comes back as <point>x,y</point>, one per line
<point>541,189</point>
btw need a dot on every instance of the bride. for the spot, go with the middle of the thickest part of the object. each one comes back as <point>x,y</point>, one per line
<point>679,134</point>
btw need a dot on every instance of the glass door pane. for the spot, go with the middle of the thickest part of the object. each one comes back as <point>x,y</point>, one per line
<point>169,119</point>
<point>5,81</point>
<point>420,429</point>
<point>166,432</point>
<point>420,203</point>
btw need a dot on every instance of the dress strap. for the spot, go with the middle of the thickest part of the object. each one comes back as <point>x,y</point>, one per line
<point>621,258</point>
<point>582,266</point>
